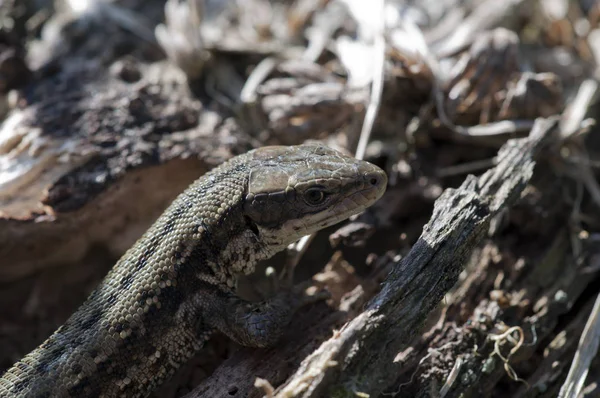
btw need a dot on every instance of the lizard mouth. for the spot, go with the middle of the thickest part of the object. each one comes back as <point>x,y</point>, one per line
<point>374,186</point>
<point>353,204</point>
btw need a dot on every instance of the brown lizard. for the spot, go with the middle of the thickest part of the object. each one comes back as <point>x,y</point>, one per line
<point>176,285</point>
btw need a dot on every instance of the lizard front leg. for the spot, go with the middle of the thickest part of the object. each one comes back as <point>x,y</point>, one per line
<point>258,324</point>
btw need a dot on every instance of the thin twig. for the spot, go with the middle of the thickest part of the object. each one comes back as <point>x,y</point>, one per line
<point>258,75</point>
<point>376,85</point>
<point>451,377</point>
<point>294,253</point>
<point>572,117</point>
<point>493,129</point>
<point>586,352</point>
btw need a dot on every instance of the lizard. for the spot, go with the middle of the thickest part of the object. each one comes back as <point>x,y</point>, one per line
<point>175,286</point>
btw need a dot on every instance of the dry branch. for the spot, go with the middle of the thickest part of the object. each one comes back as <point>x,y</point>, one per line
<point>360,357</point>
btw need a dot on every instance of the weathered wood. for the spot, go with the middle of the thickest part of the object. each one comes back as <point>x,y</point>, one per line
<point>360,357</point>
<point>149,139</point>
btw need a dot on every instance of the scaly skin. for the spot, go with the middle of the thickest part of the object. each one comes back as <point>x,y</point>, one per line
<point>175,286</point>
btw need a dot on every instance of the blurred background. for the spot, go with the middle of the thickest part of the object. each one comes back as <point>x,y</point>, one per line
<point>109,109</point>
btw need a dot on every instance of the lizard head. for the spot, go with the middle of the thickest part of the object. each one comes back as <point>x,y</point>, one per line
<point>295,191</point>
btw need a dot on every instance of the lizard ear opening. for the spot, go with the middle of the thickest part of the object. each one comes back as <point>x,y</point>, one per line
<point>252,226</point>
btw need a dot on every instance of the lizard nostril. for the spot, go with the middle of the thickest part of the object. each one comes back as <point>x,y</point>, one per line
<point>375,180</point>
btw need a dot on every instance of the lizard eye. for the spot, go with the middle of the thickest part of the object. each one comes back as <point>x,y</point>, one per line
<point>314,196</point>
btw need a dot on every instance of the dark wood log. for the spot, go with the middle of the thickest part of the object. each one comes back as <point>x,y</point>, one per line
<point>359,358</point>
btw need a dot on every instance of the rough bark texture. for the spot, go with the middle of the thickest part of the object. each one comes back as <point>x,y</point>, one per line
<point>359,358</point>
